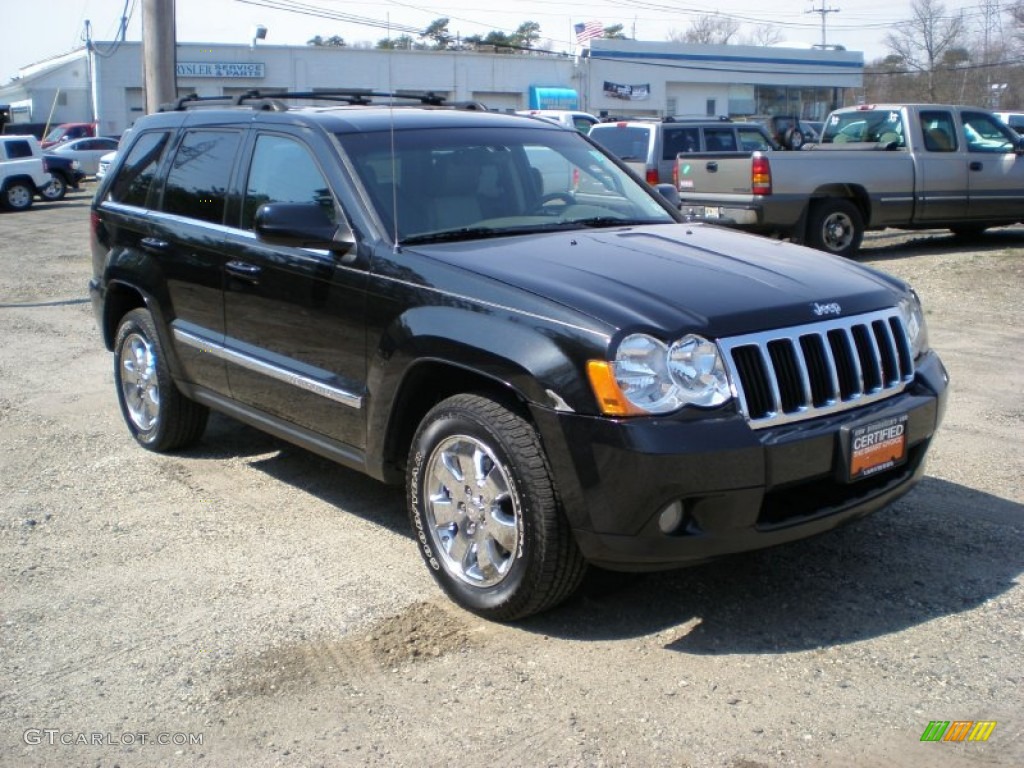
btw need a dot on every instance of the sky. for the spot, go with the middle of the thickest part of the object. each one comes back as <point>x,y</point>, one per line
<point>44,28</point>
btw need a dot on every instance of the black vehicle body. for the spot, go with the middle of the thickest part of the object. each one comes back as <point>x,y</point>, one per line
<point>344,350</point>
<point>66,167</point>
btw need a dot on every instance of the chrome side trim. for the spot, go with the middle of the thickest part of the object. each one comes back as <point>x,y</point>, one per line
<point>267,369</point>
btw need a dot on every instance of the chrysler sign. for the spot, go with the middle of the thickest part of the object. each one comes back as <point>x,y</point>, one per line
<point>219,69</point>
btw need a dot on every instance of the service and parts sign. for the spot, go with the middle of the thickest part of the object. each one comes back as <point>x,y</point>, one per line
<point>877,446</point>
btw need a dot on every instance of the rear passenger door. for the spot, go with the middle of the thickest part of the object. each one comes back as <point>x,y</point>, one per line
<point>941,170</point>
<point>187,237</point>
<point>295,316</point>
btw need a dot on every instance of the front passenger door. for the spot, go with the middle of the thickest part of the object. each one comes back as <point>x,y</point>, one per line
<point>294,316</point>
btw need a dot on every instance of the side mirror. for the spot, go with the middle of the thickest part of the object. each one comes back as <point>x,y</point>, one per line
<point>302,225</point>
<point>669,192</point>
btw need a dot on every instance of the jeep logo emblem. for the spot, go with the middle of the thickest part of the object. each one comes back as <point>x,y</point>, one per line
<point>832,308</point>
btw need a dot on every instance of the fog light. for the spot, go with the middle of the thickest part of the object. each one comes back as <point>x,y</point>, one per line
<point>670,517</point>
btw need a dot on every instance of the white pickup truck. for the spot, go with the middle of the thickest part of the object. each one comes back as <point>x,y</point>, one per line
<point>908,166</point>
<point>22,175</point>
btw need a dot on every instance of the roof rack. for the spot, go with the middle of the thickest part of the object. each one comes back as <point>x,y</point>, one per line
<point>273,101</point>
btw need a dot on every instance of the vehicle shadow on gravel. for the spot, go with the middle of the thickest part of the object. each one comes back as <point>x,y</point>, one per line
<point>349,491</point>
<point>941,550</point>
<point>890,245</point>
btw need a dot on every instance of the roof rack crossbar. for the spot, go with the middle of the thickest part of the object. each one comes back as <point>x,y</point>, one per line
<point>274,100</point>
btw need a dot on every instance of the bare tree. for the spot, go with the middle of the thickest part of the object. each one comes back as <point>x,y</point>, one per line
<point>924,40</point>
<point>713,29</point>
<point>766,34</point>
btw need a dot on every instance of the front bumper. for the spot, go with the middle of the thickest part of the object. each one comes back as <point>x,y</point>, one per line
<point>740,489</point>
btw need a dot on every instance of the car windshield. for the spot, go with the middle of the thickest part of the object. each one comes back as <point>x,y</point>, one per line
<point>431,185</point>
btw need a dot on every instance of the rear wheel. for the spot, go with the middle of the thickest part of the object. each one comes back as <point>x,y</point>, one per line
<point>18,196</point>
<point>485,511</point>
<point>835,226</point>
<point>159,417</point>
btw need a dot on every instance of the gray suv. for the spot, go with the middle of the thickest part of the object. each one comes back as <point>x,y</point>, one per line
<point>650,147</point>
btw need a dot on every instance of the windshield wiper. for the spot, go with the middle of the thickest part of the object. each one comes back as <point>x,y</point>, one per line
<point>454,235</point>
<point>596,222</point>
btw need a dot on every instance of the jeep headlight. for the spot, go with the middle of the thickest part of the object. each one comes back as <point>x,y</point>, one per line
<point>913,323</point>
<point>649,377</point>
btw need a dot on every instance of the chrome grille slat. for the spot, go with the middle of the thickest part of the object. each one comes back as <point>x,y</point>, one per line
<point>840,364</point>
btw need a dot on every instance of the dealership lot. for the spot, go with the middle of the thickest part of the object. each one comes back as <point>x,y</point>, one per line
<point>249,603</point>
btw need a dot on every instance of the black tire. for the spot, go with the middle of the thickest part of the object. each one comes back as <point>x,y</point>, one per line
<point>55,189</point>
<point>159,417</point>
<point>835,225</point>
<point>485,512</point>
<point>18,196</point>
<point>794,138</point>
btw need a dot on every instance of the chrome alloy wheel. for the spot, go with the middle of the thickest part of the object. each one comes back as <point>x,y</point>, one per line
<point>139,382</point>
<point>837,231</point>
<point>471,511</point>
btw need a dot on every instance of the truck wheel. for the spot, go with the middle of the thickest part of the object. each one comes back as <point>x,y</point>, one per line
<point>159,417</point>
<point>18,196</point>
<point>794,138</point>
<point>835,226</point>
<point>485,512</point>
<point>54,189</point>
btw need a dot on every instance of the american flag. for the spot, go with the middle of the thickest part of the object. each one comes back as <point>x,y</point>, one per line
<point>587,30</point>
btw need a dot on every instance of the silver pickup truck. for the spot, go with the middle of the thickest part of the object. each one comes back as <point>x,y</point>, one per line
<point>908,166</point>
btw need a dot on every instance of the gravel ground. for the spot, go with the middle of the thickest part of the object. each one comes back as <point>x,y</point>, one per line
<point>250,604</point>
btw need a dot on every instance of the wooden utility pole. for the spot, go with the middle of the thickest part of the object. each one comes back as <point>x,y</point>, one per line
<point>159,53</point>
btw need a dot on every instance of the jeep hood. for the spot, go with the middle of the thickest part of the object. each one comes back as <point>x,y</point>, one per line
<point>677,277</point>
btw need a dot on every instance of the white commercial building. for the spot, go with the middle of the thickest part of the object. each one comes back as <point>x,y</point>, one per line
<point>614,77</point>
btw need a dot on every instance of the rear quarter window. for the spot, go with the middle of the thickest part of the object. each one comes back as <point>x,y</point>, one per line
<point>133,183</point>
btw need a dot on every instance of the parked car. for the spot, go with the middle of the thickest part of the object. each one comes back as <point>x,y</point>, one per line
<point>1013,119</point>
<point>104,164</point>
<point>581,121</point>
<point>68,132</point>
<point>560,375</point>
<point>22,175</point>
<point>65,173</point>
<point>87,151</point>
<point>650,146</point>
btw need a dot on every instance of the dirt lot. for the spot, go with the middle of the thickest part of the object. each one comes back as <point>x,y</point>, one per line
<point>251,604</point>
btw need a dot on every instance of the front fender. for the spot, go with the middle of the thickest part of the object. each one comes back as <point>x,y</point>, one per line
<point>430,352</point>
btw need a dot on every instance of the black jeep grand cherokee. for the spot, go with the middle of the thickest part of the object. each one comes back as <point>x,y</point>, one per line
<point>498,312</point>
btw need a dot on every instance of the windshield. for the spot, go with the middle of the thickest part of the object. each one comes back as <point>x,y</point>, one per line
<point>870,125</point>
<point>447,184</point>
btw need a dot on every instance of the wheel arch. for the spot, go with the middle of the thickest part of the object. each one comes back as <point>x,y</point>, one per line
<point>432,353</point>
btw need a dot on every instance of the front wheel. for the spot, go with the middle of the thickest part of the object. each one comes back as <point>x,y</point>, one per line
<point>18,196</point>
<point>159,417</point>
<point>835,226</point>
<point>485,512</point>
<point>55,189</point>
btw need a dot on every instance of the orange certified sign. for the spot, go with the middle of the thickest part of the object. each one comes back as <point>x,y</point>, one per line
<point>878,446</point>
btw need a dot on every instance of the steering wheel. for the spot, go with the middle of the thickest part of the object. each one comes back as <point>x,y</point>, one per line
<point>563,197</point>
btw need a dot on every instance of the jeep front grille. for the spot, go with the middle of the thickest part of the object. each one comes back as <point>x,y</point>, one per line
<point>793,374</point>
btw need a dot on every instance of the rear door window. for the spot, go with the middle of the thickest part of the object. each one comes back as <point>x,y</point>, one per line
<point>200,174</point>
